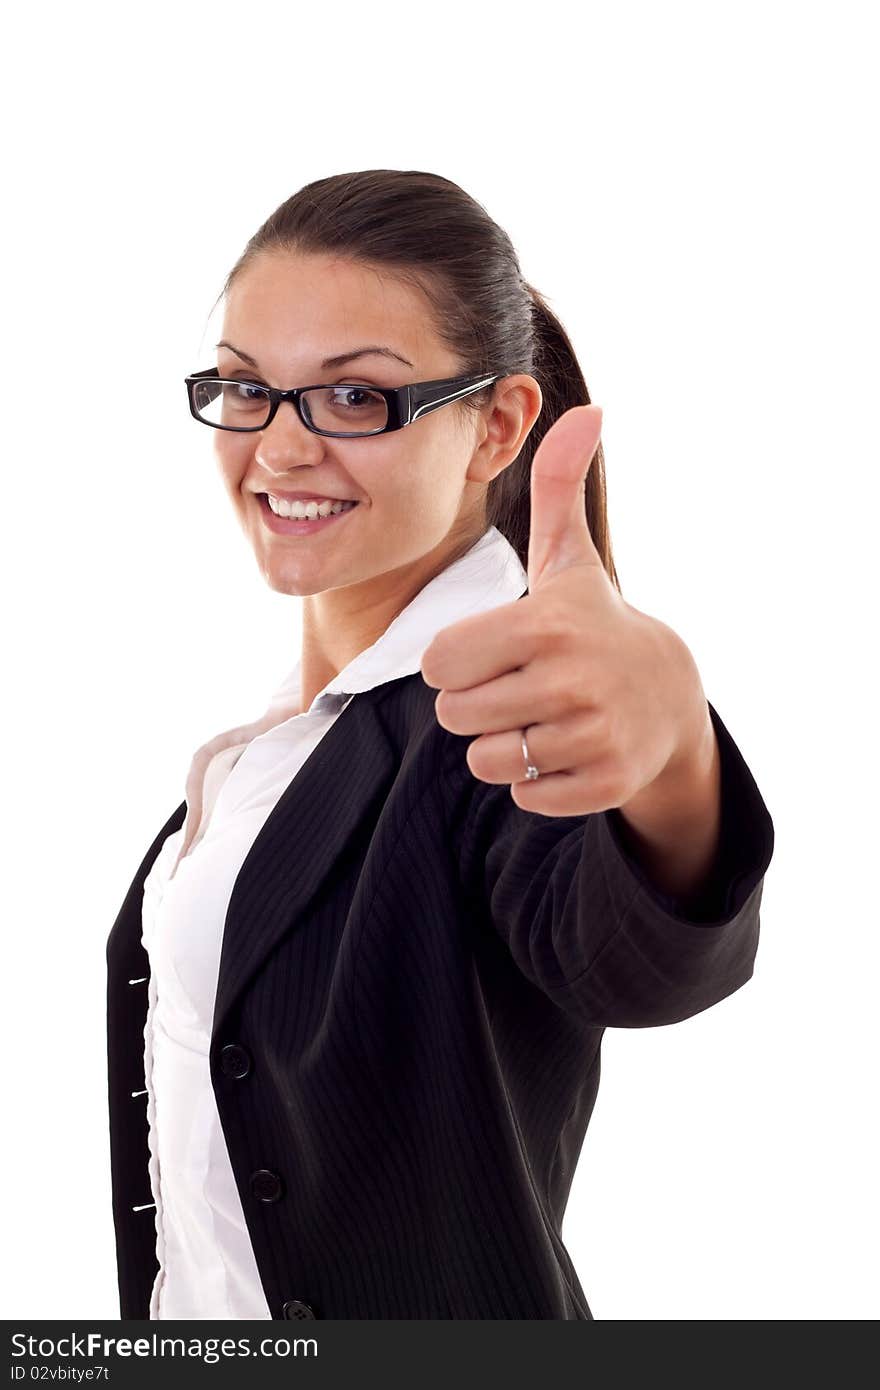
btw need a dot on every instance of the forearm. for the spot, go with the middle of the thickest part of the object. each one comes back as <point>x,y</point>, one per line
<point>673,825</point>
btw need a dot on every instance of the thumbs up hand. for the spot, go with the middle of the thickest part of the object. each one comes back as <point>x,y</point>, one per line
<point>610,698</point>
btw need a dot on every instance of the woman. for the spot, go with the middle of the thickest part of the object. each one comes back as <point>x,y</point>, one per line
<point>357,989</point>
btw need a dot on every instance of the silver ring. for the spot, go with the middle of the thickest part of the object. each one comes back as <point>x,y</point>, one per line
<point>531,771</point>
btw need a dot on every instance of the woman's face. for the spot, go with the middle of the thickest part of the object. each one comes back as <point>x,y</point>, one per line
<point>420,490</point>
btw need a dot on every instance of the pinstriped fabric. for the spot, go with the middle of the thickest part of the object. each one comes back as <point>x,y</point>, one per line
<point>423,1002</point>
<point>128,969</point>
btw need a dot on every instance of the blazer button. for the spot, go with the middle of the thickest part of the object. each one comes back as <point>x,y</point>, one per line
<point>293,1308</point>
<point>234,1060</point>
<point>266,1185</point>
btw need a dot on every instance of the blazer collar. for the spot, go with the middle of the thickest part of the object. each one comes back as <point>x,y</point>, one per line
<point>304,836</point>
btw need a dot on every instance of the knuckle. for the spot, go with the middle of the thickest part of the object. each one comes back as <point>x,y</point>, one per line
<point>475,758</point>
<point>554,624</point>
<point>564,625</point>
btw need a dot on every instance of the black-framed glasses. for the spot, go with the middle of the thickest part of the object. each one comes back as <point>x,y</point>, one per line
<point>345,410</point>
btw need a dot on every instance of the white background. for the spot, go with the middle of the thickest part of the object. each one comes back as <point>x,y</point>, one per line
<point>694,188</point>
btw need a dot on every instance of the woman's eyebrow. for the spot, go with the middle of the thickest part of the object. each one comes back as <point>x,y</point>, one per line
<point>337,361</point>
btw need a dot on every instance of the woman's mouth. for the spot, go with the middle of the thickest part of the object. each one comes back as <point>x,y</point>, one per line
<point>300,526</point>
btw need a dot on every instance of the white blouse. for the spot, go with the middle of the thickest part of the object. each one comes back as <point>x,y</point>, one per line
<point>207,1267</point>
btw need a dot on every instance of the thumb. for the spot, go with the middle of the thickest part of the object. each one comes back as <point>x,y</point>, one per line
<point>559,535</point>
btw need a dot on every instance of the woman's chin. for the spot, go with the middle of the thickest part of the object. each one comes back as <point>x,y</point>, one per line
<point>288,579</point>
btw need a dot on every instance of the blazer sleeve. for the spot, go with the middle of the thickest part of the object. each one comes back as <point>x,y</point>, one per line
<point>584,922</point>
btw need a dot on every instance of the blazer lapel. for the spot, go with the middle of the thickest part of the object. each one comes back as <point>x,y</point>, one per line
<point>304,835</point>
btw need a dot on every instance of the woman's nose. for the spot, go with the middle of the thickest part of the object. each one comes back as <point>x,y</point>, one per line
<point>285,437</point>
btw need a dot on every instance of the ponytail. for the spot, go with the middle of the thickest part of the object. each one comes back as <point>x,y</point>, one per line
<point>558,373</point>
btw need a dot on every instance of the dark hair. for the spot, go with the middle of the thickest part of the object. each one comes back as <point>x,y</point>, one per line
<point>433,235</point>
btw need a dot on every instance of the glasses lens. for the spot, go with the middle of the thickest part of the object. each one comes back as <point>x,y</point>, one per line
<point>235,404</point>
<point>346,409</point>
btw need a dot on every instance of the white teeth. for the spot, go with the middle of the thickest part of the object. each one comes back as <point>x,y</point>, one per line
<point>307,511</point>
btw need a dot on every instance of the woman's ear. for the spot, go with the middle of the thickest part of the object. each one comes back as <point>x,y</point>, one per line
<point>514,408</point>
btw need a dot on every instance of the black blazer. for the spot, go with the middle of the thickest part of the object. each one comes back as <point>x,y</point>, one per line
<point>414,981</point>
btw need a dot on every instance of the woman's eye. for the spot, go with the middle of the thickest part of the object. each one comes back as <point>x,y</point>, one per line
<point>240,393</point>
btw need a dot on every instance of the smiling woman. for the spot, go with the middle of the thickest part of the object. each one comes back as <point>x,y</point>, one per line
<point>417,506</point>
<point>358,986</point>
